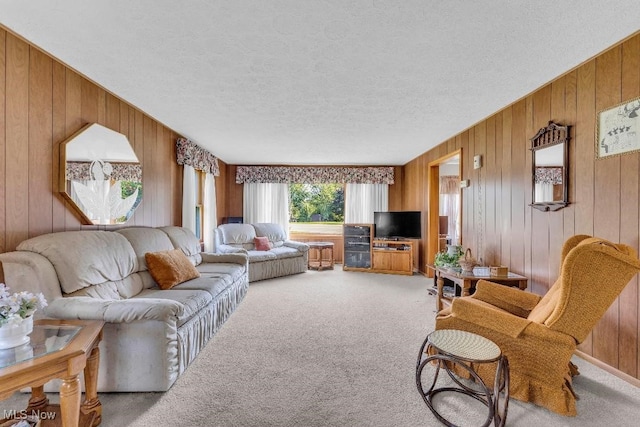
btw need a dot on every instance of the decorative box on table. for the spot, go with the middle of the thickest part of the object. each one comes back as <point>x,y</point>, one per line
<point>498,270</point>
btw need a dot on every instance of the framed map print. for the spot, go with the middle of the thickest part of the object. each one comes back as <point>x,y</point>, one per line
<point>618,129</point>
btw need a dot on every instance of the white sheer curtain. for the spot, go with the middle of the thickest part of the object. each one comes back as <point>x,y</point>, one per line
<point>210,220</point>
<point>189,198</point>
<point>362,200</point>
<point>543,192</point>
<point>265,202</point>
<point>450,205</point>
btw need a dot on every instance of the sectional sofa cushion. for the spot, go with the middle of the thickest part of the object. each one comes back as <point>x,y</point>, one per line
<point>274,232</point>
<point>184,239</point>
<point>238,236</point>
<point>107,257</point>
<point>146,239</point>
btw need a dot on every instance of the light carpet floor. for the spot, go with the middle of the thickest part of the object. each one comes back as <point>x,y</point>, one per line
<point>333,348</point>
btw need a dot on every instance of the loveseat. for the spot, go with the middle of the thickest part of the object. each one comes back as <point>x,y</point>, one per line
<point>271,254</point>
<point>151,334</point>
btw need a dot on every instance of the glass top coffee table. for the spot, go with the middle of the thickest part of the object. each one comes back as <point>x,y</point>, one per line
<point>45,339</point>
<point>57,349</point>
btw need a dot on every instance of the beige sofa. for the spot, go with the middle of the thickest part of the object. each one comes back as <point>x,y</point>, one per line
<point>284,256</point>
<point>151,335</point>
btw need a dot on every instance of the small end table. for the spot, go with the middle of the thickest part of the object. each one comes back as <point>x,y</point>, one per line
<point>446,348</point>
<point>58,349</point>
<point>467,280</point>
<point>317,263</point>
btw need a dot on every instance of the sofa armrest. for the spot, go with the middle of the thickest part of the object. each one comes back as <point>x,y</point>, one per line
<point>228,249</point>
<point>113,311</point>
<point>302,247</point>
<point>234,257</point>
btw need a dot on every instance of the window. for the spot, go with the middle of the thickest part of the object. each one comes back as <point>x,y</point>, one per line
<point>199,222</point>
<point>199,203</point>
<point>316,208</point>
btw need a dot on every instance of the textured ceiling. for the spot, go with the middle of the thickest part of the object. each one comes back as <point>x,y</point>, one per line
<point>321,81</point>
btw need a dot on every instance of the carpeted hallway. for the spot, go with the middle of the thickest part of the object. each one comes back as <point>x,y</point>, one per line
<point>331,348</point>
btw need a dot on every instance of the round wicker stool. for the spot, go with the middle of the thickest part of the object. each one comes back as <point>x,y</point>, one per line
<point>447,348</point>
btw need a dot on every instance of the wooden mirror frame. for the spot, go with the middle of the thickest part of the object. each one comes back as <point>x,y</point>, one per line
<point>548,136</point>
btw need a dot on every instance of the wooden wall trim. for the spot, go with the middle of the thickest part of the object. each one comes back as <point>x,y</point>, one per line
<point>431,238</point>
<point>608,368</point>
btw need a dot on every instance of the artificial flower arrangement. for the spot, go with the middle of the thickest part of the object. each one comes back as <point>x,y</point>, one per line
<point>450,257</point>
<point>18,306</point>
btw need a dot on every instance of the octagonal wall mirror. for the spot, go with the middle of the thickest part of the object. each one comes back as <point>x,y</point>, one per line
<point>100,175</point>
<point>550,147</point>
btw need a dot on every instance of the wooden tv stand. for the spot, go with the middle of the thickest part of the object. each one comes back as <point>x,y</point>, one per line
<point>392,256</point>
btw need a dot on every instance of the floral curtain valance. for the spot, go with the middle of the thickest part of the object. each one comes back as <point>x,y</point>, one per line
<point>548,175</point>
<point>189,153</point>
<point>314,175</point>
<point>81,171</point>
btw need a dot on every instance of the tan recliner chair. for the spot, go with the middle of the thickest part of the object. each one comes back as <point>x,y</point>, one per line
<point>539,334</point>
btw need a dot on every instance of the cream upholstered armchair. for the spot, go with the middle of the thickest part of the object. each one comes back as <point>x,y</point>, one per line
<point>539,334</point>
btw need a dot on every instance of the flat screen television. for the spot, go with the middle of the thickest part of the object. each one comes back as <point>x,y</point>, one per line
<point>398,225</point>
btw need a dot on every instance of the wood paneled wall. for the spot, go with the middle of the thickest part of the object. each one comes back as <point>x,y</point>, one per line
<point>233,203</point>
<point>498,224</point>
<point>43,102</point>
<point>223,192</point>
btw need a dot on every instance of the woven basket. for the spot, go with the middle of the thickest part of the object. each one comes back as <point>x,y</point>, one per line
<point>467,261</point>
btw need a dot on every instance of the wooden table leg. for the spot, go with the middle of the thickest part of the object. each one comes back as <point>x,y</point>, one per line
<point>70,401</point>
<point>38,400</point>
<point>440,284</point>
<point>91,402</point>
<point>466,288</point>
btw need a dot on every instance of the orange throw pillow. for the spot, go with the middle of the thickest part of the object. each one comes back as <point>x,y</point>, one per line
<point>262,243</point>
<point>169,268</point>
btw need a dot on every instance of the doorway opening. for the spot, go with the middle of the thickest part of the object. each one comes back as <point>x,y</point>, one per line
<point>444,204</point>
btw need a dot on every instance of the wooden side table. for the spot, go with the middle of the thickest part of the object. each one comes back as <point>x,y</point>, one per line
<point>58,349</point>
<point>467,280</point>
<point>321,263</point>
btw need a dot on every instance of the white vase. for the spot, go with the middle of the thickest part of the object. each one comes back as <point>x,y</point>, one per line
<point>452,249</point>
<point>15,334</point>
